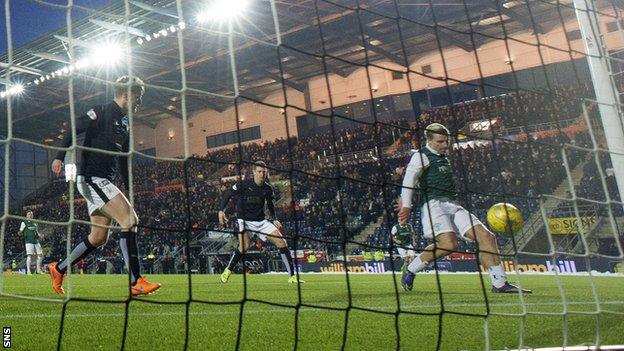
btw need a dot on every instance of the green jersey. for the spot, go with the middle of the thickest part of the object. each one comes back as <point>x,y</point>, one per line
<point>403,233</point>
<point>31,232</point>
<point>436,181</point>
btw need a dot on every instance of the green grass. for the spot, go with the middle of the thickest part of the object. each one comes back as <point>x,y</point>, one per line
<point>214,314</point>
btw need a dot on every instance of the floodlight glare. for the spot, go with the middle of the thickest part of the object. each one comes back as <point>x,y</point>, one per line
<point>221,10</point>
<point>82,63</point>
<point>107,54</point>
<point>139,41</point>
<point>16,89</point>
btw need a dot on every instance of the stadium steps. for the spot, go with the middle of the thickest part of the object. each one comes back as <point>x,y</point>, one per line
<point>602,230</point>
<point>605,231</point>
<point>572,243</point>
<point>363,236</point>
<point>535,224</point>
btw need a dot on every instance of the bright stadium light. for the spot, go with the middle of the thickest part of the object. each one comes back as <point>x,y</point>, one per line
<point>107,54</point>
<point>16,89</point>
<point>222,10</point>
<point>82,63</point>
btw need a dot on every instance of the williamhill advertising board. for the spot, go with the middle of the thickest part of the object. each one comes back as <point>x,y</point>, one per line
<point>562,266</point>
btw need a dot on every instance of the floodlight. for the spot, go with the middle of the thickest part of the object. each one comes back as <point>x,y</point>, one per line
<point>221,10</point>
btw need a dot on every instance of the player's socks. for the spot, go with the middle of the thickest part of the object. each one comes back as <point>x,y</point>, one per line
<point>39,260</point>
<point>236,256</point>
<point>287,259</point>
<point>417,265</point>
<point>28,262</point>
<point>78,253</point>
<point>498,277</point>
<point>130,251</point>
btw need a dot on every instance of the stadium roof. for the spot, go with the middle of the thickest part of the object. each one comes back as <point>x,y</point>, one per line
<point>40,112</point>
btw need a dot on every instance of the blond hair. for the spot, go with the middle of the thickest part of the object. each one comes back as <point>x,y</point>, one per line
<point>436,129</point>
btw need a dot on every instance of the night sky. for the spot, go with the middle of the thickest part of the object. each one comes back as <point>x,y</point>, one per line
<point>30,20</point>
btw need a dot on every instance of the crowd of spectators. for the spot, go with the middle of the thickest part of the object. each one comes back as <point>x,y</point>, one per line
<point>327,202</point>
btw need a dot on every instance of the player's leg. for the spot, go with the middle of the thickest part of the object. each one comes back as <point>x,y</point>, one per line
<point>436,218</point>
<point>445,243</point>
<point>403,253</point>
<point>30,251</point>
<point>120,209</point>
<point>437,224</point>
<point>96,238</point>
<point>277,239</point>
<point>471,228</point>
<point>28,263</point>
<point>244,241</point>
<point>408,256</point>
<point>39,252</point>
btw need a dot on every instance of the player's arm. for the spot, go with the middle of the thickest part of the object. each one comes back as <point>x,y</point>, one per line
<point>225,200</point>
<point>20,232</point>
<point>413,171</point>
<point>82,123</point>
<point>271,208</point>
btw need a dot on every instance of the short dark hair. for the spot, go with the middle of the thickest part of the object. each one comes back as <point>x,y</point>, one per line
<point>258,164</point>
<point>137,86</point>
<point>29,211</point>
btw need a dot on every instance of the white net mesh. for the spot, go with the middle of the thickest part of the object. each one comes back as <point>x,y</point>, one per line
<point>332,95</point>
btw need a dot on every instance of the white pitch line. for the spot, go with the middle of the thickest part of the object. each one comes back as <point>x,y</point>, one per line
<point>291,310</point>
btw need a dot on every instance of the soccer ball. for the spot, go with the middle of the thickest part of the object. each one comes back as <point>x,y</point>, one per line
<point>504,218</point>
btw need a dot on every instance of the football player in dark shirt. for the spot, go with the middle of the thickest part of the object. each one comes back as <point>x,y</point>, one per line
<point>252,196</point>
<point>105,128</point>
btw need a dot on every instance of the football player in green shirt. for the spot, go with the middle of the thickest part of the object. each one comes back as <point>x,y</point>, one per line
<point>442,217</point>
<point>30,230</point>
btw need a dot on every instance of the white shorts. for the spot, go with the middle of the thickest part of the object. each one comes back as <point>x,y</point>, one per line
<point>409,252</point>
<point>32,249</point>
<point>446,216</point>
<point>97,191</point>
<point>259,228</point>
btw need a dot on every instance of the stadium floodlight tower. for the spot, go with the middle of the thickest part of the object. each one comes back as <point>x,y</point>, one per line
<point>222,10</point>
<point>607,95</point>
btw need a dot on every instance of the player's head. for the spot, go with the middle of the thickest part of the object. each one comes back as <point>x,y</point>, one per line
<point>259,171</point>
<point>29,214</point>
<point>438,137</point>
<point>132,100</point>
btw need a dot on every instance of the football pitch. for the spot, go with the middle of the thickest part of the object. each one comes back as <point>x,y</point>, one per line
<point>360,314</point>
